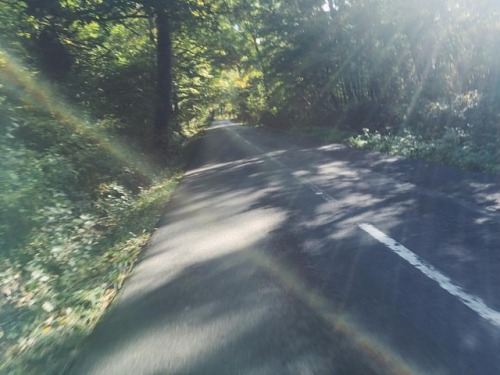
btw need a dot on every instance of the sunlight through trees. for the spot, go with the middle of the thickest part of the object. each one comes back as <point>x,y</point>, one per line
<point>99,98</point>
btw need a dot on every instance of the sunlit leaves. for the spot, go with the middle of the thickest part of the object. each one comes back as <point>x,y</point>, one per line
<point>91,30</point>
<point>69,228</point>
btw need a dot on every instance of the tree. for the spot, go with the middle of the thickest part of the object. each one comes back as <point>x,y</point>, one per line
<point>55,38</point>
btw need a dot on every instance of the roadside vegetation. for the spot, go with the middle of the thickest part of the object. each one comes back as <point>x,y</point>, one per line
<point>99,99</point>
<point>417,79</point>
<point>78,203</point>
<point>83,178</point>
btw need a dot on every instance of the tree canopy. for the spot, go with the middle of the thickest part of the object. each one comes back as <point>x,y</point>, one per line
<point>99,97</point>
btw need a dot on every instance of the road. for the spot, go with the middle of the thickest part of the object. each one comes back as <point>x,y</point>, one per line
<point>278,255</point>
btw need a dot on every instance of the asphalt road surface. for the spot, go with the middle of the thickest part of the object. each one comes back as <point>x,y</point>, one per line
<point>278,255</point>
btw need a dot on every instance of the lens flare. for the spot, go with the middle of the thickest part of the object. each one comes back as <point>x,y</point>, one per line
<point>369,345</point>
<point>24,84</point>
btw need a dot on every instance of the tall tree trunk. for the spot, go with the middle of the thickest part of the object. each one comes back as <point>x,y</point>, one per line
<point>261,65</point>
<point>164,78</point>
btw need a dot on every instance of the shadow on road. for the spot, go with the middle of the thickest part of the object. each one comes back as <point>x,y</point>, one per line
<point>252,272</point>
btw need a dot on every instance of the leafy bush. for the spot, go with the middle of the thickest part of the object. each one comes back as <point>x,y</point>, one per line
<point>57,286</point>
<point>454,147</point>
<point>75,211</point>
<point>70,230</point>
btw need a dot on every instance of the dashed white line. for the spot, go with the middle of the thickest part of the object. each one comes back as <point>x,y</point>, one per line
<point>471,301</point>
<point>474,303</point>
<point>314,188</point>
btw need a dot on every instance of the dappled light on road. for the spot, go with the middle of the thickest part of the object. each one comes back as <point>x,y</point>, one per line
<point>222,125</point>
<point>227,286</point>
<point>260,257</point>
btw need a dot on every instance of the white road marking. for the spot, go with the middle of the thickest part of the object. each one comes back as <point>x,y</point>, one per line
<point>304,181</point>
<point>473,302</point>
<point>315,189</point>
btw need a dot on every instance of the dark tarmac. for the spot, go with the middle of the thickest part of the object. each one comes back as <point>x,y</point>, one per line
<point>260,267</point>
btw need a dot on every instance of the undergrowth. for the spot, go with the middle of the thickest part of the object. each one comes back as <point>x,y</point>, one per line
<point>77,205</point>
<point>454,147</point>
<point>52,299</point>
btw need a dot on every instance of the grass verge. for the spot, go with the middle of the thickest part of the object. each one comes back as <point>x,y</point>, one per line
<point>51,302</point>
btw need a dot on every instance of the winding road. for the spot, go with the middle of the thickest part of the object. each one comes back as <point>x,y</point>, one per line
<point>280,255</point>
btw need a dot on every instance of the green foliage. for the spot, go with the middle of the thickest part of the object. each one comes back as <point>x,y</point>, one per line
<point>80,185</point>
<point>73,220</point>
<point>56,287</point>
<point>21,187</point>
<point>423,77</point>
<point>81,189</point>
<point>453,147</point>
<point>325,134</point>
